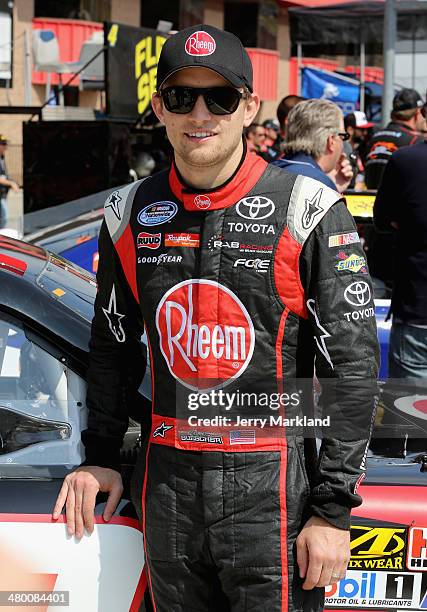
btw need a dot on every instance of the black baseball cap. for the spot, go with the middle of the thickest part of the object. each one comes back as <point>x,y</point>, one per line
<point>204,46</point>
<point>357,119</point>
<point>406,99</point>
<point>3,139</point>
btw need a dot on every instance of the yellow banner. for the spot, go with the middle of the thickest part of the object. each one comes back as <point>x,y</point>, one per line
<point>361,204</point>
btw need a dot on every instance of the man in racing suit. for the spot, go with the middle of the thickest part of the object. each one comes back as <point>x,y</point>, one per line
<point>241,273</point>
<point>403,130</point>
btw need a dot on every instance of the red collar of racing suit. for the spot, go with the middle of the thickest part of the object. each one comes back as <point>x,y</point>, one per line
<point>243,180</point>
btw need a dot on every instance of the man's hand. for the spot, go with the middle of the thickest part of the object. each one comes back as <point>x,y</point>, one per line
<point>9,183</point>
<point>78,493</point>
<point>342,174</point>
<point>323,553</point>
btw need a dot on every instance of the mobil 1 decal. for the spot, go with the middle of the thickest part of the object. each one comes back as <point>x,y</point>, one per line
<point>377,548</point>
<point>396,590</point>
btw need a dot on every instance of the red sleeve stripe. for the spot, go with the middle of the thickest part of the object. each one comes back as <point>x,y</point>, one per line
<point>286,274</point>
<point>125,248</point>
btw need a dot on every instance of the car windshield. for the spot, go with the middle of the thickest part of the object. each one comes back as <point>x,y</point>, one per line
<point>76,289</point>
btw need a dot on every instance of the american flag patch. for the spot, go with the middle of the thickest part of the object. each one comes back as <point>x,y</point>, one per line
<point>242,437</point>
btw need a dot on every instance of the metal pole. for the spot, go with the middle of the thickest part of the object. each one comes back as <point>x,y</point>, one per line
<point>414,50</point>
<point>299,66</point>
<point>27,70</point>
<point>389,43</point>
<point>362,76</point>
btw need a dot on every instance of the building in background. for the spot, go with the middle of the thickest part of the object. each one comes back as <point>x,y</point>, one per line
<point>269,29</point>
<point>264,30</point>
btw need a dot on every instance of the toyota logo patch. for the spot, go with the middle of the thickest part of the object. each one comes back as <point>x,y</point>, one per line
<point>255,207</point>
<point>358,293</point>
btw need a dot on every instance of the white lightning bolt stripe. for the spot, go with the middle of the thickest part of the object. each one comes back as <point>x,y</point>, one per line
<point>321,344</point>
<point>114,318</point>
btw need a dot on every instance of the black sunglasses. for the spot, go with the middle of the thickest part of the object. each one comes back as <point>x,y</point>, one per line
<point>219,100</point>
<point>343,135</point>
<point>424,111</point>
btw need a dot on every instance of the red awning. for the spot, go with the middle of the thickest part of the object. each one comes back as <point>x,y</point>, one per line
<point>71,34</point>
<point>265,64</point>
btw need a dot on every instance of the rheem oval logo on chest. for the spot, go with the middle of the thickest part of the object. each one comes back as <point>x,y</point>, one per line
<point>206,334</point>
<point>200,43</point>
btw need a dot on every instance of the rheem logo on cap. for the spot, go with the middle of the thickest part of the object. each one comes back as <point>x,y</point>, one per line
<point>200,43</point>
<point>206,333</point>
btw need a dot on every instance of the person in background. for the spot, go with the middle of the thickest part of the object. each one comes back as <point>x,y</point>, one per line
<point>272,129</point>
<point>273,139</point>
<point>358,126</point>
<point>404,129</point>
<point>255,138</point>
<point>401,208</point>
<point>285,106</point>
<point>314,144</point>
<point>6,182</point>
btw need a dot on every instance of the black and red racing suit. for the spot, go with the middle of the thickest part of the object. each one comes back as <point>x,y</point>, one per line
<point>255,281</point>
<point>382,146</point>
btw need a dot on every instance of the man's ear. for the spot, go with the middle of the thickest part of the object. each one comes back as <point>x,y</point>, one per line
<point>157,104</point>
<point>252,104</point>
<point>330,143</point>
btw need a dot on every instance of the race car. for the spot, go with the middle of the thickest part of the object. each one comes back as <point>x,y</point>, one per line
<point>46,305</point>
<point>75,239</point>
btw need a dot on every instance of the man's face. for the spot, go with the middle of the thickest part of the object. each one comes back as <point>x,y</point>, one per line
<point>3,147</point>
<point>338,144</point>
<point>359,135</point>
<point>258,136</point>
<point>420,124</point>
<point>271,133</point>
<point>201,138</point>
<point>424,116</point>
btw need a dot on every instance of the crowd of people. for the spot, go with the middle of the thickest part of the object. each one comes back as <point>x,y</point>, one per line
<point>367,149</point>
<point>313,138</point>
